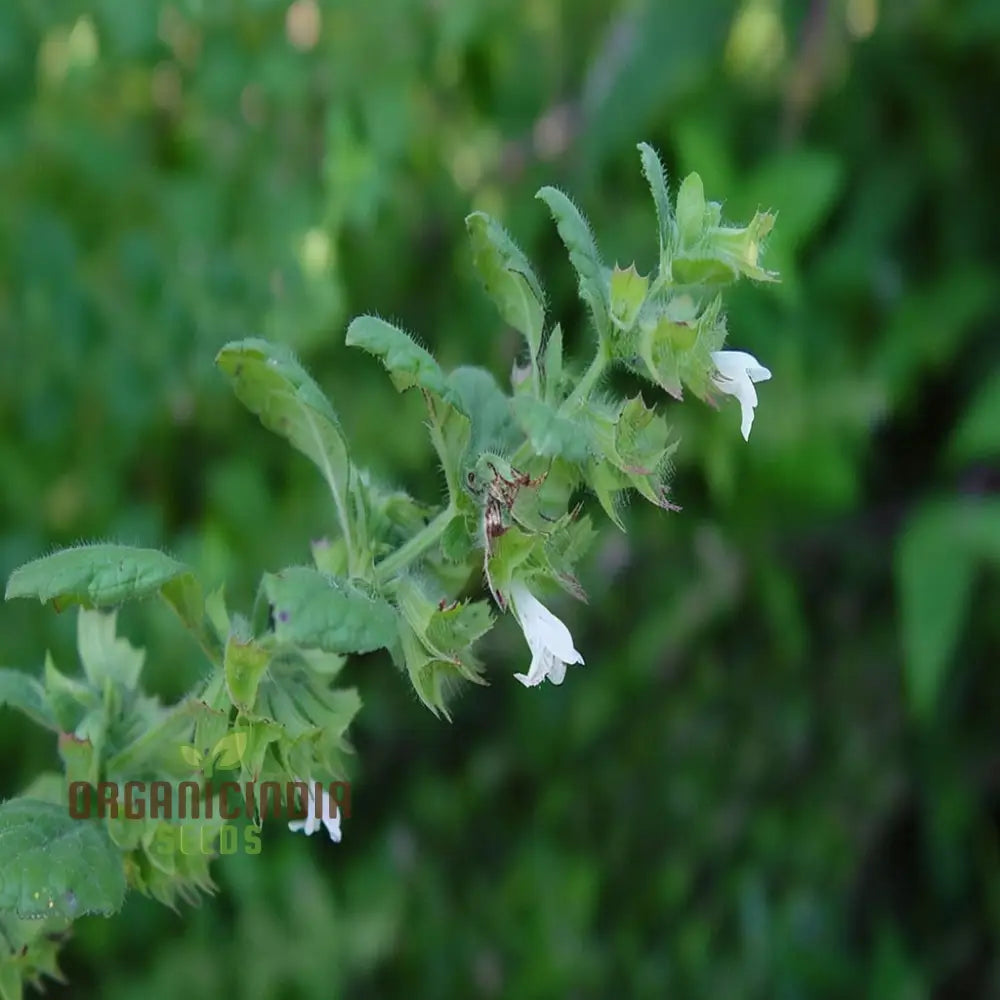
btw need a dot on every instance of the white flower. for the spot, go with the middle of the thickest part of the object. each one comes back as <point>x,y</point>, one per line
<point>330,817</point>
<point>737,372</point>
<point>548,638</point>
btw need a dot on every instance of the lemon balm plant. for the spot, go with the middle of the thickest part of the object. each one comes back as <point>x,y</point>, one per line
<point>394,576</point>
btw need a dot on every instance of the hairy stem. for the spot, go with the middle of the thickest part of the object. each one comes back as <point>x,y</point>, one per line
<point>414,547</point>
<point>590,378</point>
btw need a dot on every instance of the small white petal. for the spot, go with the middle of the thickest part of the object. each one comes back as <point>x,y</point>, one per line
<point>737,364</point>
<point>557,671</point>
<point>535,674</point>
<point>330,817</point>
<point>327,815</point>
<point>736,373</point>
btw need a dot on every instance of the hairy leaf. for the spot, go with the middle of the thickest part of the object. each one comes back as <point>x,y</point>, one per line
<point>551,433</point>
<point>94,575</point>
<point>54,865</point>
<point>406,361</point>
<point>245,663</point>
<point>583,253</point>
<point>21,691</point>
<point>508,278</point>
<point>314,609</point>
<point>269,381</point>
<point>103,654</point>
<point>652,167</point>
<point>936,561</point>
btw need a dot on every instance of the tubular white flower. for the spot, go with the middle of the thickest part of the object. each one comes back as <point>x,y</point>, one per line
<point>737,372</point>
<point>327,815</point>
<point>548,638</point>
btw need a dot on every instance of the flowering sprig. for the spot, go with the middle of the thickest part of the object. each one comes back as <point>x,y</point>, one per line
<point>392,574</point>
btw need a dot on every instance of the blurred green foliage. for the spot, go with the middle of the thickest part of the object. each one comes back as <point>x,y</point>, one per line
<point>778,775</point>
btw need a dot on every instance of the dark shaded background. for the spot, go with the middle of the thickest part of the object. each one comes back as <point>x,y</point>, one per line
<point>778,775</point>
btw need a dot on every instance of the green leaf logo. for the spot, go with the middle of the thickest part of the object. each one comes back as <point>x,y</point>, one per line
<point>192,755</point>
<point>226,755</point>
<point>229,750</point>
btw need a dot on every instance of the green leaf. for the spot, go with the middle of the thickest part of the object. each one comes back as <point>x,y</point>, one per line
<point>94,576</point>
<point>935,582</point>
<point>488,426</point>
<point>244,664</point>
<point>54,865</point>
<point>30,953</point>
<point>49,786</point>
<point>635,444</point>
<point>642,438</point>
<point>68,699</point>
<point>218,616</point>
<point>451,432</point>
<point>407,362</point>
<point>185,596</point>
<point>270,382</point>
<point>446,630</point>
<point>258,737</point>
<point>81,760</point>
<point>11,986</point>
<point>702,269</point>
<point>154,743</point>
<point>551,433</point>
<point>979,527</point>
<point>230,750</point>
<point>488,408</point>
<point>659,348</point>
<point>628,293</point>
<point>314,609</point>
<point>306,707</point>
<point>457,626</point>
<point>552,365</point>
<point>566,544</point>
<point>23,692</point>
<point>172,860</point>
<point>652,167</point>
<point>932,326</point>
<point>936,560</point>
<point>460,537</point>
<point>508,278</point>
<point>607,482</point>
<point>432,677</point>
<point>104,656</point>
<point>583,254</point>
<point>690,210</point>
<point>676,347</point>
<point>977,436</point>
<point>509,553</point>
<point>740,247</point>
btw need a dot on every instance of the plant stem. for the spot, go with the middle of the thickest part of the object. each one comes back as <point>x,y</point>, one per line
<point>433,530</point>
<point>437,438</point>
<point>590,378</point>
<point>536,376</point>
<point>415,546</point>
<point>345,524</point>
